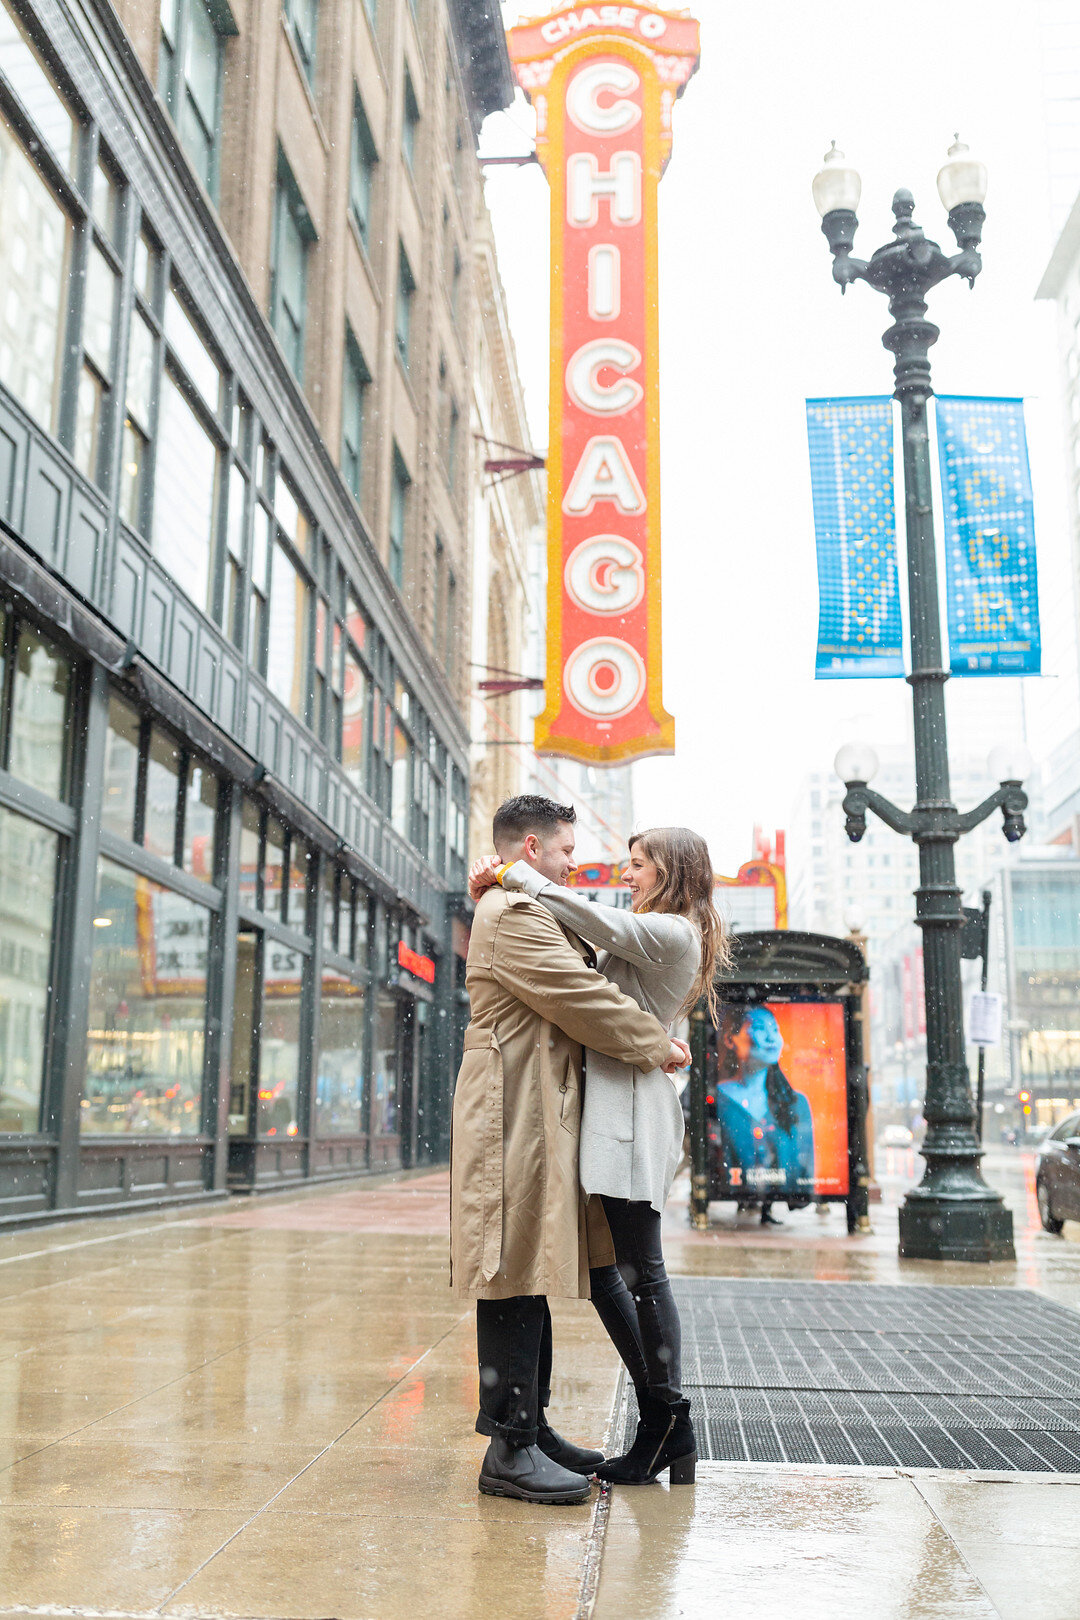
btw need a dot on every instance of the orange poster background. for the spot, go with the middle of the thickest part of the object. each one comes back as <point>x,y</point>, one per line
<point>814,1060</point>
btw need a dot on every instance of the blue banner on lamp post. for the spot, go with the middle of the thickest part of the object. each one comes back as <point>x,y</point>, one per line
<point>991,585</point>
<point>851,474</point>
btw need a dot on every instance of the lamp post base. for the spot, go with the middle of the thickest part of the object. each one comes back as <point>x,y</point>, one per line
<point>979,1231</point>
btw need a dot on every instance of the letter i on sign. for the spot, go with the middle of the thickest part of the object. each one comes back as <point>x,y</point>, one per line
<point>603,81</point>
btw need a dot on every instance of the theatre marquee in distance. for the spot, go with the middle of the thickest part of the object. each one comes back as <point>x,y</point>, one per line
<point>603,81</point>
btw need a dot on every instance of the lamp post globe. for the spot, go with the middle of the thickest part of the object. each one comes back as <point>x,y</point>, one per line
<point>1010,762</point>
<point>837,184</point>
<point>856,762</point>
<point>961,184</point>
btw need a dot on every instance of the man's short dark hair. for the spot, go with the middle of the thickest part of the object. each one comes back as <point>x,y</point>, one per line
<point>529,813</point>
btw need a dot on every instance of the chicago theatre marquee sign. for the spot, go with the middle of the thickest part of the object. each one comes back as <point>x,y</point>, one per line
<point>603,81</point>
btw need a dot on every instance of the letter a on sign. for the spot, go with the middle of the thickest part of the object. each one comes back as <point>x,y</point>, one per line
<point>603,81</point>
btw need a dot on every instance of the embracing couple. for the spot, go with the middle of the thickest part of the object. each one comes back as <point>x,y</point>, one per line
<point>557,1185</point>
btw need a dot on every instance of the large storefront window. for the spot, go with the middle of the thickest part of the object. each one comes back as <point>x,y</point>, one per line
<point>157,794</point>
<point>339,1084</point>
<point>147,1034</point>
<point>28,867</point>
<point>279,1043</point>
<point>39,714</point>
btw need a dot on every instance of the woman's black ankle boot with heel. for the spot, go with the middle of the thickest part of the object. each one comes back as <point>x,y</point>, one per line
<point>664,1439</point>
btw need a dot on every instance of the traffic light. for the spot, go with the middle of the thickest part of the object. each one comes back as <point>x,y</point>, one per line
<point>1024,1097</point>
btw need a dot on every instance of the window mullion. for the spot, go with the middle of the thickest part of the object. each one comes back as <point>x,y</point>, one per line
<point>9,644</point>
<point>141,779</point>
<point>149,482</point>
<point>116,409</point>
<point>71,369</point>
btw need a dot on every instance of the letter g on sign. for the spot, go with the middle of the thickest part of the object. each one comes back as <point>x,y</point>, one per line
<point>605,574</point>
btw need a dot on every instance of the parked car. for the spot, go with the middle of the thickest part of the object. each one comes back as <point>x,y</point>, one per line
<point>895,1136</point>
<point>1057,1175</point>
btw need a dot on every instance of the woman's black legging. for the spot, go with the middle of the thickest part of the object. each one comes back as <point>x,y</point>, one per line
<point>634,1301</point>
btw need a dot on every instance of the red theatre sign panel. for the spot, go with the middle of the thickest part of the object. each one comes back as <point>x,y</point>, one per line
<point>603,81</point>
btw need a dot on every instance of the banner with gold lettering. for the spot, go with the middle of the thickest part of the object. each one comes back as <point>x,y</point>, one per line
<point>603,81</point>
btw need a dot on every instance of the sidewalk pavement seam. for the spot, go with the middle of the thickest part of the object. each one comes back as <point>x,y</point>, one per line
<point>85,1243</point>
<point>597,1536</point>
<point>961,1554</point>
<point>299,1474</point>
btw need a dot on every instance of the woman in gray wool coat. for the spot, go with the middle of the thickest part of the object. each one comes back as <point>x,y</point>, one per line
<point>664,953</point>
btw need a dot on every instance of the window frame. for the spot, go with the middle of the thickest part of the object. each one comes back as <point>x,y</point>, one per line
<point>289,209</point>
<point>400,482</point>
<point>173,85</point>
<point>356,382</point>
<point>405,292</point>
<point>410,123</point>
<point>363,161</point>
<point>307,51</point>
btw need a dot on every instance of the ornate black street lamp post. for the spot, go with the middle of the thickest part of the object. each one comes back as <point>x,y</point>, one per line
<point>952,1214</point>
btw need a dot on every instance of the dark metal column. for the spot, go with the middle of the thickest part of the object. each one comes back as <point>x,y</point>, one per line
<point>952,1214</point>
<point>699,1146</point>
<point>73,1002</point>
<point>223,991</point>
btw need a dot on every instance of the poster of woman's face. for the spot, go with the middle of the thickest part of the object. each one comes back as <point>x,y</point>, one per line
<point>781,1100</point>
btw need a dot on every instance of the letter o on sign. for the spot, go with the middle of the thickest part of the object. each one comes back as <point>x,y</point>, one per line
<point>604,678</point>
<point>605,574</point>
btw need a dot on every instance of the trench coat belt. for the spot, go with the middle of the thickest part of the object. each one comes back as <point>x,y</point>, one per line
<point>492,1191</point>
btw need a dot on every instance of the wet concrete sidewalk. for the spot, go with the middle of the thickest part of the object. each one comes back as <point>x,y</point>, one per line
<point>267,1412</point>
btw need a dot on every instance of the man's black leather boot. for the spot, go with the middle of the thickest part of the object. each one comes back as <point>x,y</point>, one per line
<point>579,1459</point>
<point>525,1472</point>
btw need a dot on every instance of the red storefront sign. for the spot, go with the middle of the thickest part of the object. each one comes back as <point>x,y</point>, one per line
<point>603,81</point>
<point>422,967</point>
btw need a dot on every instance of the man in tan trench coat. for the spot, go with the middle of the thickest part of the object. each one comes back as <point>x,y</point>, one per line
<point>519,1232</point>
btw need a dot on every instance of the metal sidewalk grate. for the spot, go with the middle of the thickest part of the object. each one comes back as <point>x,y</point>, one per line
<point>872,1375</point>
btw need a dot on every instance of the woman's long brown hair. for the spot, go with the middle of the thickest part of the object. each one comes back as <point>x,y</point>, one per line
<point>685,886</point>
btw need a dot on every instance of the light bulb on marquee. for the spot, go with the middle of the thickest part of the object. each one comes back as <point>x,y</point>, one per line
<point>603,80</point>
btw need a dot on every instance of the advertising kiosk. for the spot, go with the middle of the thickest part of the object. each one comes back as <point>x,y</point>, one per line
<point>777,1097</point>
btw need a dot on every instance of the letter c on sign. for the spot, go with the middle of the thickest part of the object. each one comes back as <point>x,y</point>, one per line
<point>604,678</point>
<point>603,399</point>
<point>606,574</point>
<point>585,110</point>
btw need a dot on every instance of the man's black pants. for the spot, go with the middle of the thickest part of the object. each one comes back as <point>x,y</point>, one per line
<point>513,1343</point>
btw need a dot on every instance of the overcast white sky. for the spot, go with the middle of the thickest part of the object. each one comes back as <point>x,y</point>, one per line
<point>752,324</point>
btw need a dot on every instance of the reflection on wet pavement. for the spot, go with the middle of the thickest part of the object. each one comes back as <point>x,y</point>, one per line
<point>268,1412</point>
